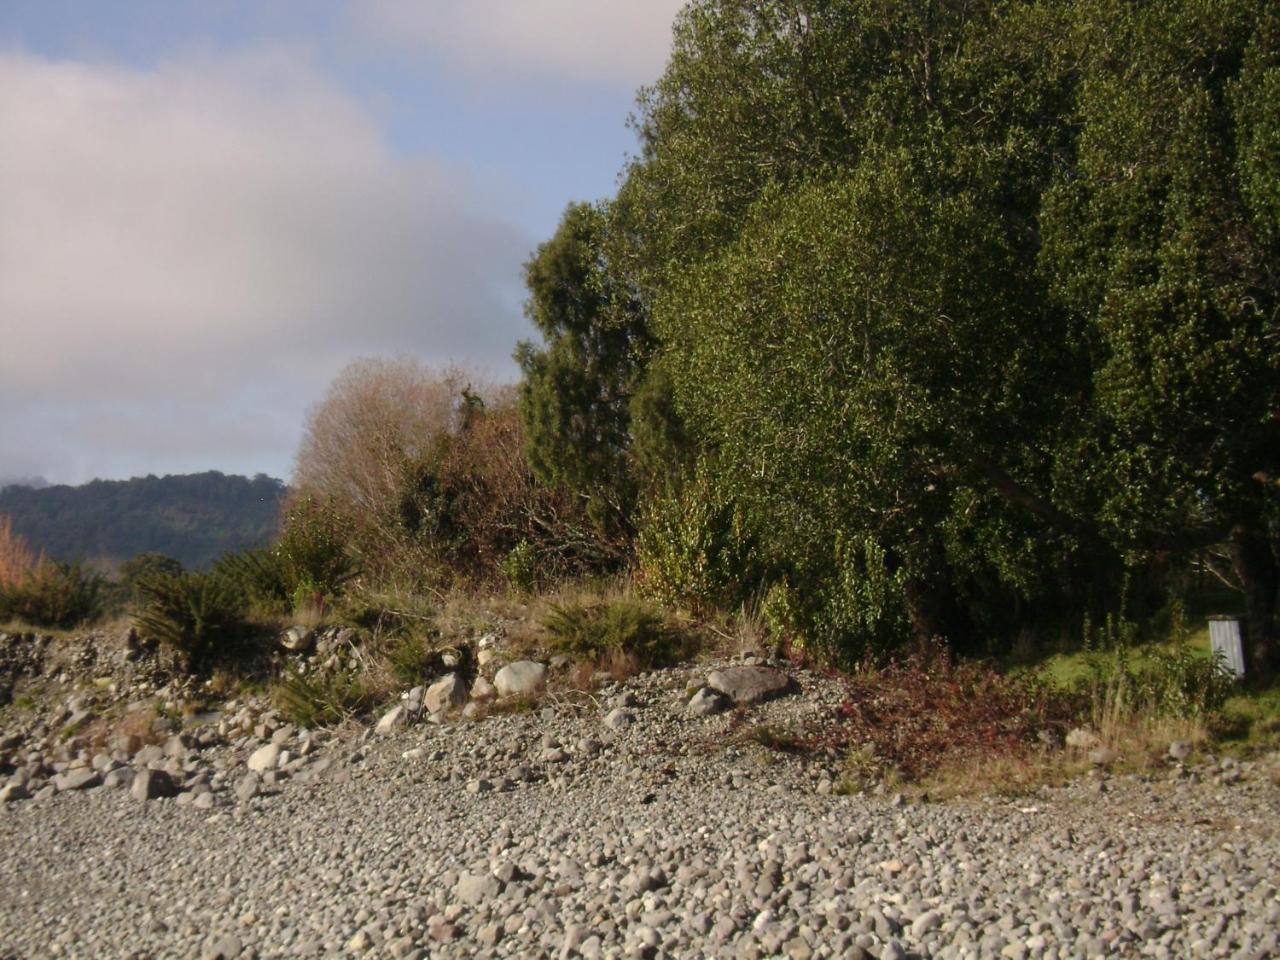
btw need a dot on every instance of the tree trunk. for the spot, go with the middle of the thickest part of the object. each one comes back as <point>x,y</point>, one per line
<point>1259,570</point>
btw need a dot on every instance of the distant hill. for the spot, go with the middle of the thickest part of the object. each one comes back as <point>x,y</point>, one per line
<point>194,518</point>
<point>35,483</point>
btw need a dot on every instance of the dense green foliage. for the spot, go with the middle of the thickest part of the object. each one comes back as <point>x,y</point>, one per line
<point>198,615</point>
<point>963,314</point>
<point>575,397</point>
<point>193,518</point>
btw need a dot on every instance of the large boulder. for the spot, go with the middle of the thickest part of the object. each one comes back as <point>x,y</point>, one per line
<point>748,685</point>
<point>446,693</point>
<point>520,679</point>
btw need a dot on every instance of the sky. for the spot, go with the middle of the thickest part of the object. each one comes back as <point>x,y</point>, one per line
<point>209,208</point>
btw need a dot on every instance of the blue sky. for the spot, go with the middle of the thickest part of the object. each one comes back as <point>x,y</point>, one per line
<point>212,206</point>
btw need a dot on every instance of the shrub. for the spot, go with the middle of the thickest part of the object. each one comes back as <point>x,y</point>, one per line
<point>54,595</point>
<point>604,629</point>
<point>196,614</point>
<point>42,592</point>
<point>691,549</point>
<point>912,716</point>
<point>322,700</point>
<point>1176,683</point>
<point>426,483</point>
<point>306,566</point>
<point>518,567</point>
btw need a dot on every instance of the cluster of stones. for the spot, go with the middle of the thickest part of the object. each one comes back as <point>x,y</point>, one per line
<point>235,756</point>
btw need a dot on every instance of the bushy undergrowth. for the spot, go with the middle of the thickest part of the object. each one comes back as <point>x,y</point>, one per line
<point>323,699</point>
<point>1174,681</point>
<point>605,629</point>
<point>42,592</point>
<point>59,595</point>
<point>199,615</point>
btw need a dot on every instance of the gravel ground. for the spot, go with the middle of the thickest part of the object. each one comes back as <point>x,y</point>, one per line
<point>558,833</point>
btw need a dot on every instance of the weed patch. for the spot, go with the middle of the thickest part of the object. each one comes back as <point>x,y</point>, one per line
<point>914,717</point>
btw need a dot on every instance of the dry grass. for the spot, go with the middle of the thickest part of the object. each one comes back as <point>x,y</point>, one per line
<point>18,562</point>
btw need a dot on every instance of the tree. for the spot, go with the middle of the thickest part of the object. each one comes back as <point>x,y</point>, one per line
<point>1161,242</point>
<point>575,396</point>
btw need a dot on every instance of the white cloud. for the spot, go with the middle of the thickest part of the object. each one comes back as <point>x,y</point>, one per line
<point>620,43</point>
<point>173,237</point>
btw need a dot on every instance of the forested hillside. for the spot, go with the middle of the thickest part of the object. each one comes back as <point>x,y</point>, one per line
<point>194,518</point>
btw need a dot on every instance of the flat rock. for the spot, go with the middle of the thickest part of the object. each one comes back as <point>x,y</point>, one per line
<point>248,787</point>
<point>748,685</point>
<point>265,758</point>
<point>81,779</point>
<point>522,678</point>
<point>619,718</point>
<point>224,948</point>
<point>473,888</point>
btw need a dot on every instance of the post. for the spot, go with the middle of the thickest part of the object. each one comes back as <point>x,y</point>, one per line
<point>1225,642</point>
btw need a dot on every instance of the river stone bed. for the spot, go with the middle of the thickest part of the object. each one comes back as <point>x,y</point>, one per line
<point>555,834</point>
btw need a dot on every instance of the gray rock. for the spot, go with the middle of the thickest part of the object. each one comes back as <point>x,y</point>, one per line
<point>1102,756</point>
<point>1179,750</point>
<point>224,948</point>
<point>748,685</point>
<point>265,758</point>
<point>619,718</point>
<point>924,924</point>
<point>81,779</point>
<point>520,679</point>
<point>120,777</point>
<point>248,787</point>
<point>445,694</point>
<point>394,719</point>
<point>482,689</point>
<point>706,702</point>
<point>474,888</point>
<point>151,785</point>
<point>1082,738</point>
<point>413,700</point>
<point>13,792</point>
<point>297,639</point>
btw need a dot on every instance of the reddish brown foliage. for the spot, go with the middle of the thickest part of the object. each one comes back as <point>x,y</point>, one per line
<point>922,713</point>
<point>18,562</point>
<point>499,503</point>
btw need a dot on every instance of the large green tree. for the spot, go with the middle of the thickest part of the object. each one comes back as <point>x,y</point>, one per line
<point>576,394</point>
<point>1161,243</point>
<point>967,307</point>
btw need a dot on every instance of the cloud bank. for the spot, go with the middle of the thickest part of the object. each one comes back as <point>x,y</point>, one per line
<point>189,253</point>
<point>618,43</point>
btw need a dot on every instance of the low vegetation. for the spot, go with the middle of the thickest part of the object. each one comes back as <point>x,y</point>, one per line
<point>917,339</point>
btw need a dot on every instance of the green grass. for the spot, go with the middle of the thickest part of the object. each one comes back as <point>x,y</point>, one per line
<point>1250,720</point>
<point>1067,669</point>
